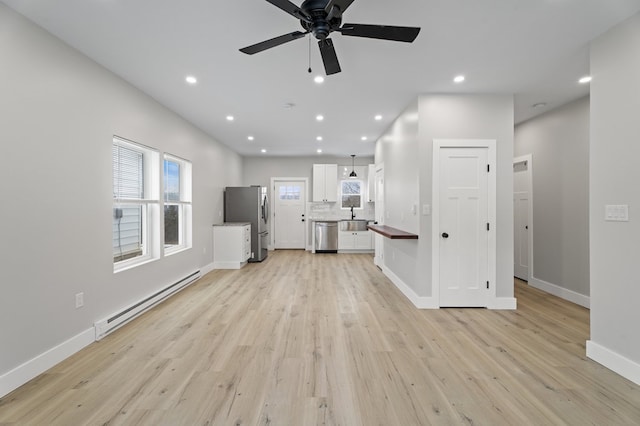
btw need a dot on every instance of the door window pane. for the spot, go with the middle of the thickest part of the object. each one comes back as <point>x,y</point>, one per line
<point>289,192</point>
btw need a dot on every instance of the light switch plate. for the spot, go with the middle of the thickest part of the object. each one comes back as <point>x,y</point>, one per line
<point>616,213</point>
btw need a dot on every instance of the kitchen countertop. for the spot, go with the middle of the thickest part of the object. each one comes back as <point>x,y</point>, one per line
<point>232,224</point>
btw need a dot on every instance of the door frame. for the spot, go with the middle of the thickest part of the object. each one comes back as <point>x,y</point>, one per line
<point>272,205</point>
<point>378,241</point>
<point>490,144</point>
<point>528,158</point>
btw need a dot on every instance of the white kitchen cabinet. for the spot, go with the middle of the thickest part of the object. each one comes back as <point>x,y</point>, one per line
<point>355,240</point>
<point>325,183</point>
<point>231,245</point>
<point>371,184</point>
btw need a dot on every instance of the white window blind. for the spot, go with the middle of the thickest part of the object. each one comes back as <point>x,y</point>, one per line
<point>128,172</point>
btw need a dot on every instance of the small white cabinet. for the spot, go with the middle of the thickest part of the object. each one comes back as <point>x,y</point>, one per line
<point>325,183</point>
<point>355,240</point>
<point>371,184</point>
<point>231,245</point>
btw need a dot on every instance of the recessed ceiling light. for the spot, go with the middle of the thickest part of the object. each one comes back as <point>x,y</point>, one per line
<point>540,105</point>
<point>319,138</point>
<point>263,151</point>
<point>319,79</point>
<point>230,118</point>
<point>364,138</point>
<point>319,117</point>
<point>378,117</point>
<point>250,138</point>
<point>319,151</point>
<point>459,78</point>
<point>584,80</point>
<point>191,79</point>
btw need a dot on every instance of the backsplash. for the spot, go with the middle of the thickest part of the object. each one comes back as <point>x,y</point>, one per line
<point>333,211</point>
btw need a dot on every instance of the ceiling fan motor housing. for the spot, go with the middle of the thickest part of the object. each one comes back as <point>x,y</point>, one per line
<point>320,26</point>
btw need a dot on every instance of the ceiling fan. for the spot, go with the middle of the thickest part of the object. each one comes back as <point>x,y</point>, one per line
<point>321,18</point>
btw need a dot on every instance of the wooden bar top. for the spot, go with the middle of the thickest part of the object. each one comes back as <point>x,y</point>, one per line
<point>393,233</point>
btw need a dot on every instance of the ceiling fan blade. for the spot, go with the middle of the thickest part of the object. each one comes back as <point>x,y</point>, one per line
<point>329,57</point>
<point>291,9</point>
<point>268,44</point>
<point>342,5</point>
<point>382,32</point>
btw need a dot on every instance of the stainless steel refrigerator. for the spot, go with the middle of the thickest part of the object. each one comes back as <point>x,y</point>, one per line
<point>250,204</point>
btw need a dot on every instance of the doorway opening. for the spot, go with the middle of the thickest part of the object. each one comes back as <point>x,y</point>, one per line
<point>522,218</point>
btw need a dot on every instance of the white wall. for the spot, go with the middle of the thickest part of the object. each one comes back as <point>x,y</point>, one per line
<point>406,151</point>
<point>398,150</point>
<point>58,113</point>
<point>559,144</point>
<point>259,170</point>
<point>614,179</point>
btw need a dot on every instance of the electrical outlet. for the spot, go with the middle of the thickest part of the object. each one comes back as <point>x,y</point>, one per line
<point>79,300</point>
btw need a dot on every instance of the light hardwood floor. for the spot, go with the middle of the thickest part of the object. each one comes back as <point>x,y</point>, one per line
<point>306,339</point>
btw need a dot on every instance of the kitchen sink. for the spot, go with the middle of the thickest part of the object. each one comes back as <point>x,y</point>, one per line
<point>353,225</point>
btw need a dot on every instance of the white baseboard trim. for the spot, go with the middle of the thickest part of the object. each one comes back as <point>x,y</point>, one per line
<point>504,303</point>
<point>41,363</point>
<point>561,292</point>
<point>228,265</point>
<point>206,269</point>
<point>419,302</point>
<point>613,361</point>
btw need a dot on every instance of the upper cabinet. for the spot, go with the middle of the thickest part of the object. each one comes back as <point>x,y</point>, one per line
<point>325,183</point>
<point>371,184</point>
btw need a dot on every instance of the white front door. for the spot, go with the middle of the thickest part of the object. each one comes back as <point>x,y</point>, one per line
<point>521,220</point>
<point>463,227</point>
<point>379,216</point>
<point>289,214</point>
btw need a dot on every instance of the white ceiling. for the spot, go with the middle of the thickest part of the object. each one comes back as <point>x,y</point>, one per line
<point>535,49</point>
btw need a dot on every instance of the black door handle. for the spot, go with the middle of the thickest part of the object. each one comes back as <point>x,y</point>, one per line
<point>445,235</point>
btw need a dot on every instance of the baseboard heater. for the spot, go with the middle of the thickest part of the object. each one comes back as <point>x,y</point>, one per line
<point>117,320</point>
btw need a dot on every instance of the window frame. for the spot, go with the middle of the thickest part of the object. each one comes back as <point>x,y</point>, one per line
<point>360,194</point>
<point>184,204</point>
<point>149,203</point>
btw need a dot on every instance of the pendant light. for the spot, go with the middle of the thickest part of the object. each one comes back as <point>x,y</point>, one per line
<point>353,174</point>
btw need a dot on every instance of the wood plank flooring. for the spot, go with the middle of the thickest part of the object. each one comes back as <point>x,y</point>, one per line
<point>305,339</point>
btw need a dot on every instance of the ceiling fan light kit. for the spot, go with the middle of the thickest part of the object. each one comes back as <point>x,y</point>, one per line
<point>321,18</point>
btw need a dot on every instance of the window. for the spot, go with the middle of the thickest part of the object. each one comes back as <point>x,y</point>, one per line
<point>135,203</point>
<point>351,194</point>
<point>177,204</point>
<point>289,192</point>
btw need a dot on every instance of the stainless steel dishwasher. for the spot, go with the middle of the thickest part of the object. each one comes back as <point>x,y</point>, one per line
<point>326,237</point>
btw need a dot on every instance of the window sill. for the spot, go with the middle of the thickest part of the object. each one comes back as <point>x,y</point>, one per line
<point>174,250</point>
<point>130,265</point>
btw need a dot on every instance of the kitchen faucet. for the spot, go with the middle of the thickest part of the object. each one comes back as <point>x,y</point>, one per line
<point>353,215</point>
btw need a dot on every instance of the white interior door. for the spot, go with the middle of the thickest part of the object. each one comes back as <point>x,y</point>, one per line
<point>379,216</point>
<point>463,226</point>
<point>521,219</point>
<point>289,214</point>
